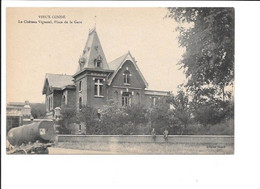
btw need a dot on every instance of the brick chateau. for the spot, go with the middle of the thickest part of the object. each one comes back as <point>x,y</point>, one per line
<point>96,82</point>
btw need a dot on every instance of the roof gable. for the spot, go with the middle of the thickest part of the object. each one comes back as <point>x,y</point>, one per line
<point>118,63</point>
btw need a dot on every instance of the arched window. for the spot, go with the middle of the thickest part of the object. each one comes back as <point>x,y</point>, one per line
<point>80,102</point>
<point>126,77</point>
<point>80,85</point>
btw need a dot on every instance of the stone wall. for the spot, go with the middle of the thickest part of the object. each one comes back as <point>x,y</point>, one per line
<point>176,139</point>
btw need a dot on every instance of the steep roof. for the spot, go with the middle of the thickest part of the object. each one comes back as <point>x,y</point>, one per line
<point>92,51</point>
<point>118,63</point>
<point>57,81</point>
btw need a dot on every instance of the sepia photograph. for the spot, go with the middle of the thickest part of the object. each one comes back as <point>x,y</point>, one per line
<point>120,81</point>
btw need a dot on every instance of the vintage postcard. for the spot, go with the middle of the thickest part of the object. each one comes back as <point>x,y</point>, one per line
<point>120,80</point>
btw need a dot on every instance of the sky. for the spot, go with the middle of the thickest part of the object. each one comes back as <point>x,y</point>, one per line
<point>36,49</point>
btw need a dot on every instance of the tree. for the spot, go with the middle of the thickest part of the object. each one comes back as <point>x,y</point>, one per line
<point>38,110</point>
<point>180,110</point>
<point>207,34</point>
<point>161,117</point>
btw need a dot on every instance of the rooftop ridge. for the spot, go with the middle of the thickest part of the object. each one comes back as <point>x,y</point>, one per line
<point>119,57</point>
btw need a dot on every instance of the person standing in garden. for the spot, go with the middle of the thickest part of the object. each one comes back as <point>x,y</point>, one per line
<point>165,134</point>
<point>153,134</point>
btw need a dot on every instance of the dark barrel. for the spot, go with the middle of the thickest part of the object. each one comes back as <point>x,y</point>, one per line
<point>41,130</point>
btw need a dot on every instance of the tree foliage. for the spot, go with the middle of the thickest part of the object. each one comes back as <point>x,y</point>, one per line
<point>207,34</point>
<point>161,117</point>
<point>38,110</point>
<point>68,116</point>
<point>139,120</point>
<point>181,109</point>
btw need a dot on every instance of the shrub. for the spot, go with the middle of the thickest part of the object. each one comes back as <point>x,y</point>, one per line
<point>212,113</point>
<point>115,120</point>
<point>137,114</point>
<point>225,127</point>
<point>68,116</point>
<point>89,116</point>
<point>208,118</point>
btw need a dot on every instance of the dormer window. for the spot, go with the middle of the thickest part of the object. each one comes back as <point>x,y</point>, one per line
<point>126,75</point>
<point>98,62</point>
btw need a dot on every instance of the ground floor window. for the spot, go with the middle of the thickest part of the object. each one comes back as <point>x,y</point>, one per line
<point>126,99</point>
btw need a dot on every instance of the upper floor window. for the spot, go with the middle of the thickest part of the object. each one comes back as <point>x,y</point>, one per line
<point>80,103</point>
<point>154,99</point>
<point>137,98</point>
<point>98,87</point>
<point>126,75</point>
<point>80,85</point>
